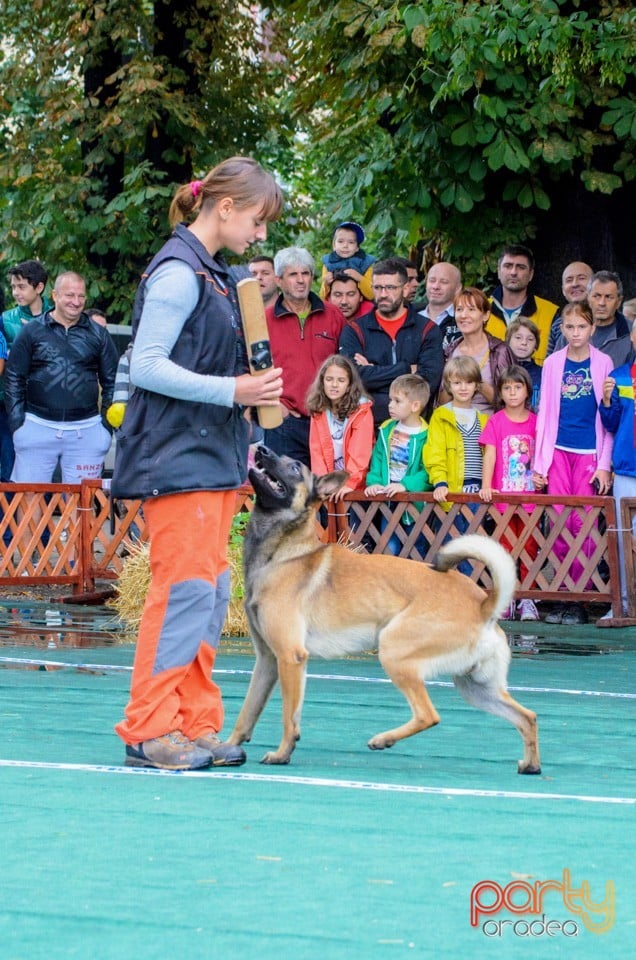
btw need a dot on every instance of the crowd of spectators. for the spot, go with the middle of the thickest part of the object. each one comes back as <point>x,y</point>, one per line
<point>378,329</point>
<point>569,363</point>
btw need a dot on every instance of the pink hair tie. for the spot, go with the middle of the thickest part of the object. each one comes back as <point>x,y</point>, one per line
<point>195,187</point>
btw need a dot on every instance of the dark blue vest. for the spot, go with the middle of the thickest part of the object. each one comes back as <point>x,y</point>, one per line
<point>171,446</point>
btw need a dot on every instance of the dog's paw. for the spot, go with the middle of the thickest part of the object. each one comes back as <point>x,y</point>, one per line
<point>527,768</point>
<point>274,758</point>
<point>379,743</point>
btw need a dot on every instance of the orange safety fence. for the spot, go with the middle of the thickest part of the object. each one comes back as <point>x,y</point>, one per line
<point>74,534</point>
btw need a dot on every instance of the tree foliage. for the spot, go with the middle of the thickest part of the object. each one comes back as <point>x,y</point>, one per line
<point>447,125</point>
<point>457,124</point>
<point>104,107</point>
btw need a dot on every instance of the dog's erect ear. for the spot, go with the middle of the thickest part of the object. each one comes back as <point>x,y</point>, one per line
<point>330,483</point>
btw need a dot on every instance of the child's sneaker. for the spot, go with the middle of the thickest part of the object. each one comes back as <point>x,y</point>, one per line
<point>527,610</point>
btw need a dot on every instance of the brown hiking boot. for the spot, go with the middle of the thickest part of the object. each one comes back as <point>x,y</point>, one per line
<point>172,751</point>
<point>223,754</point>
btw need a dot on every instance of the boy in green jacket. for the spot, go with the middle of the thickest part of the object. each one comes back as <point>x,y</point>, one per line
<point>397,465</point>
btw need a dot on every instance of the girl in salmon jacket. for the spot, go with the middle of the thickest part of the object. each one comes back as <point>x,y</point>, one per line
<point>341,424</point>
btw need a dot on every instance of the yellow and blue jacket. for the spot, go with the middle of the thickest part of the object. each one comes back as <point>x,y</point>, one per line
<point>619,419</point>
<point>540,311</point>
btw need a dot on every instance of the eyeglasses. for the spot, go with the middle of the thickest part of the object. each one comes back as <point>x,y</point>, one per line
<point>389,287</point>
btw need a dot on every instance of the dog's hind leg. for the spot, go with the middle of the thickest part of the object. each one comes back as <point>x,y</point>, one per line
<point>292,674</point>
<point>488,695</point>
<point>263,681</point>
<point>405,674</point>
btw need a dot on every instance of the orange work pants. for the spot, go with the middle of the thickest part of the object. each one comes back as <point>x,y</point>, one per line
<point>172,687</point>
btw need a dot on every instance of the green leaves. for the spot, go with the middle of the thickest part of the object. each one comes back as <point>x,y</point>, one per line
<point>506,150</point>
<point>526,193</point>
<point>461,194</point>
<point>597,180</point>
<point>414,16</point>
<point>464,135</point>
<point>554,149</point>
<point>481,113</point>
<point>621,117</point>
<point>450,122</point>
<point>115,104</point>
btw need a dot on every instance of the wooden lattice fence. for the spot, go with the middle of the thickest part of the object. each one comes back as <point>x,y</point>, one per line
<point>75,534</point>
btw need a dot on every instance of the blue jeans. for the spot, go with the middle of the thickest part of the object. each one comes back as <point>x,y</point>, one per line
<point>7,453</point>
<point>624,486</point>
<point>394,546</point>
<point>291,439</point>
<point>7,457</point>
<point>462,523</point>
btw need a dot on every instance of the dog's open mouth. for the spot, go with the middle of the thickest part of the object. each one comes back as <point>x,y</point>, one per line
<point>273,477</point>
<point>266,478</point>
<point>263,474</point>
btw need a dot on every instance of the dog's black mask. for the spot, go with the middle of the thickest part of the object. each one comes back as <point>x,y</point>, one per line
<point>274,478</point>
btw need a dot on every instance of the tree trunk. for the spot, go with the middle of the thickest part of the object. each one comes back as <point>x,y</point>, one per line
<point>166,147</point>
<point>110,173</point>
<point>593,227</point>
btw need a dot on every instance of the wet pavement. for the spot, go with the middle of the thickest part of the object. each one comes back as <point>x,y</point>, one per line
<point>47,624</point>
<point>50,625</point>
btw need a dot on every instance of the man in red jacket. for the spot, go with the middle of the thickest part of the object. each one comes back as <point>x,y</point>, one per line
<point>304,330</point>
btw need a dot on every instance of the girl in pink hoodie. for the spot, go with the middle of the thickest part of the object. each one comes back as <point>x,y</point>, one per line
<point>573,449</point>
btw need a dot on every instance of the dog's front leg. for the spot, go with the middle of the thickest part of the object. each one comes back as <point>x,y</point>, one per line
<point>264,677</point>
<point>292,673</point>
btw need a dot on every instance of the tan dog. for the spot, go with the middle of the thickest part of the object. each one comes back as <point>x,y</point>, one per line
<point>304,598</point>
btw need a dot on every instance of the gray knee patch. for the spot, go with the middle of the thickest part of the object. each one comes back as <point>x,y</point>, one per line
<point>188,622</point>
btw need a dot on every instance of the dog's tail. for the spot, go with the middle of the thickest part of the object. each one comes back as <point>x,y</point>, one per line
<point>499,563</point>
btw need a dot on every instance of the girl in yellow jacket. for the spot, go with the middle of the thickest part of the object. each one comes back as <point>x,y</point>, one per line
<point>452,455</point>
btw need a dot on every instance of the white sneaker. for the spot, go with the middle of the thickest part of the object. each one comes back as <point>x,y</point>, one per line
<point>527,610</point>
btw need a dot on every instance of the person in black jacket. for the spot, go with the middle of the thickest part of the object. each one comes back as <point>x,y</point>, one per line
<point>392,340</point>
<point>54,373</point>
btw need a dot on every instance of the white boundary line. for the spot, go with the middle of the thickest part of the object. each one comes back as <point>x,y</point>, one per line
<point>114,668</point>
<point>447,683</point>
<point>318,782</point>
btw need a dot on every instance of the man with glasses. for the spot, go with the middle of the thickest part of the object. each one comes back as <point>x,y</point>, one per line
<point>392,339</point>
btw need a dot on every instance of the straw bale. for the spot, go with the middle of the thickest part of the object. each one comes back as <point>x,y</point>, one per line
<point>134,582</point>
